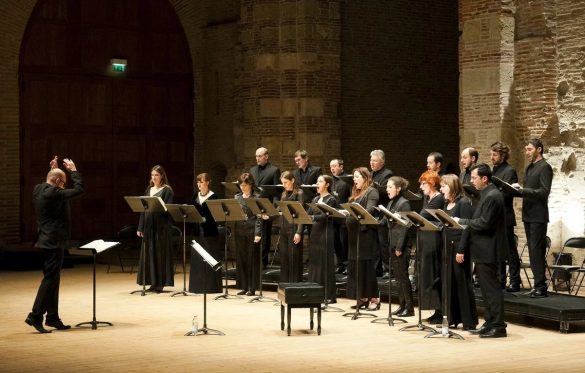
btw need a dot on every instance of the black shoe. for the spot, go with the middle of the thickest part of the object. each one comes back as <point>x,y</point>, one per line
<point>243,292</point>
<point>362,305</point>
<point>436,318</point>
<point>406,312</point>
<point>250,293</point>
<point>36,323</point>
<point>494,333</point>
<point>537,293</point>
<point>57,324</point>
<point>513,289</point>
<point>469,327</point>
<point>340,270</point>
<point>484,328</point>
<point>398,310</point>
<point>332,301</point>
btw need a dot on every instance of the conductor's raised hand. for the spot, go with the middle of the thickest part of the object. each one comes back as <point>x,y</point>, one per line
<point>54,162</point>
<point>69,165</point>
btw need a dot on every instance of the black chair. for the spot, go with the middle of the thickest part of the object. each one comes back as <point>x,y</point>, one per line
<point>564,272</point>
<point>129,248</point>
<point>525,264</point>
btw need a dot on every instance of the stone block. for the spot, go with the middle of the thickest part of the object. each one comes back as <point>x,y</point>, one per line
<point>471,31</point>
<point>266,61</point>
<point>312,107</point>
<point>480,81</point>
<point>290,107</point>
<point>264,12</point>
<point>270,107</point>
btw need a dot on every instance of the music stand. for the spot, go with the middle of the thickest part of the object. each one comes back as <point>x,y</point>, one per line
<point>345,178</point>
<point>234,187</point>
<point>261,206</point>
<point>215,265</point>
<point>226,210</point>
<point>150,205</point>
<point>411,196</point>
<point>330,213</point>
<point>421,224</point>
<point>294,213</point>
<point>96,247</point>
<point>185,214</point>
<point>448,223</point>
<point>391,216</point>
<point>309,190</point>
<point>363,217</point>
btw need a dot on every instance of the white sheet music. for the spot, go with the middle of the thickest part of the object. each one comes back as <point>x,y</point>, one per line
<point>99,245</point>
<point>205,255</point>
<point>395,216</point>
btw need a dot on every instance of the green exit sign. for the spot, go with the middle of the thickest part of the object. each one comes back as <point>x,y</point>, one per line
<point>119,65</point>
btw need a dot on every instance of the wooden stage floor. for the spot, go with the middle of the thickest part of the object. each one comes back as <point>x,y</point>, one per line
<point>148,335</point>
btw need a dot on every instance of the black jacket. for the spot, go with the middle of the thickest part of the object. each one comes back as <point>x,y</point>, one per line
<point>537,184</point>
<point>507,173</point>
<point>53,214</point>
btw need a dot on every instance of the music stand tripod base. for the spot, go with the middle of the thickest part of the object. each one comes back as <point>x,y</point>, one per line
<point>203,331</point>
<point>94,324</point>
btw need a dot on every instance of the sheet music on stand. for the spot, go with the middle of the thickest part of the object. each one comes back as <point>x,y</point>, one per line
<point>271,191</point>
<point>444,218</point>
<point>411,196</point>
<point>359,213</point>
<point>506,187</point>
<point>146,204</point>
<point>294,213</point>
<point>214,264</point>
<point>99,245</point>
<point>326,209</point>
<point>470,191</point>
<point>395,216</point>
<point>345,178</point>
<point>419,221</point>
<point>262,206</point>
<point>231,187</point>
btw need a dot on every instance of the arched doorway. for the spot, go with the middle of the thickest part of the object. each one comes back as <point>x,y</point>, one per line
<point>115,126</point>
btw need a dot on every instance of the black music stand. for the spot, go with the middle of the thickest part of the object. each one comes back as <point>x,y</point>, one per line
<point>294,213</point>
<point>226,210</point>
<point>391,216</point>
<point>96,247</point>
<point>215,265</point>
<point>364,218</point>
<point>421,224</point>
<point>151,205</point>
<point>411,196</point>
<point>259,207</point>
<point>185,214</point>
<point>330,213</point>
<point>309,190</point>
<point>505,187</point>
<point>448,223</point>
<point>345,178</point>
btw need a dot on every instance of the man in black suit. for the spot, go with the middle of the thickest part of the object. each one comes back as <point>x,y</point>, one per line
<point>435,163</point>
<point>265,174</point>
<point>469,157</point>
<point>537,184</point>
<point>341,190</point>
<point>51,202</point>
<point>499,153</point>
<point>486,236</point>
<point>380,176</point>
<point>305,174</point>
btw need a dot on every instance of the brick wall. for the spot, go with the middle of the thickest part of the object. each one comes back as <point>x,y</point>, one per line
<point>399,83</point>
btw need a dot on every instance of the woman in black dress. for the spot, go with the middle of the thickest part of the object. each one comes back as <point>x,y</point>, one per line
<point>207,235</point>
<point>155,229</point>
<point>431,244</point>
<point>291,237</point>
<point>367,196</point>
<point>461,297</point>
<point>400,245</point>
<point>247,238</point>
<point>321,248</point>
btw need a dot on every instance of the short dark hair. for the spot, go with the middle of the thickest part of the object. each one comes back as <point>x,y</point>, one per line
<point>502,148</point>
<point>473,153</point>
<point>537,143</point>
<point>246,178</point>
<point>302,153</point>
<point>483,170</point>
<point>438,157</point>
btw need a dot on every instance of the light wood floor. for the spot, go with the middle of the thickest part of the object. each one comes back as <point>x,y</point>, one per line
<point>148,335</point>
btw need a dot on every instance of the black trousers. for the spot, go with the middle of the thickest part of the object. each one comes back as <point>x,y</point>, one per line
<point>266,240</point>
<point>400,267</point>
<point>492,294</point>
<point>536,240</point>
<point>513,260</point>
<point>340,243</point>
<point>47,300</point>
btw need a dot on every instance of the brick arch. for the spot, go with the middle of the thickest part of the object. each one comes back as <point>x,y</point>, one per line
<point>13,22</point>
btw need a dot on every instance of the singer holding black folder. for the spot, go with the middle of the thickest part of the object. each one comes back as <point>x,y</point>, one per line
<point>363,193</point>
<point>248,236</point>
<point>318,252</point>
<point>291,238</point>
<point>155,228</point>
<point>208,235</point>
<point>429,252</point>
<point>461,297</point>
<point>400,245</point>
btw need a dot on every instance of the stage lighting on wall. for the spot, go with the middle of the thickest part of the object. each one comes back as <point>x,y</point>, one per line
<point>119,65</point>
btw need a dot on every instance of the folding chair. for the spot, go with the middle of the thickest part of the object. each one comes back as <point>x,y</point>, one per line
<point>575,243</point>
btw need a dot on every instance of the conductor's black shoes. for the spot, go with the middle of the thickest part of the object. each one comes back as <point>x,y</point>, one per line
<point>36,323</point>
<point>57,324</point>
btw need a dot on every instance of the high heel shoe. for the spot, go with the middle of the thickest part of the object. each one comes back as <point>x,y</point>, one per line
<point>362,305</point>
<point>376,306</point>
<point>399,310</point>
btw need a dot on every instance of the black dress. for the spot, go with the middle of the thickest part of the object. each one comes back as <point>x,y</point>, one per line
<point>207,235</point>
<point>461,297</point>
<point>247,251</point>
<point>157,234</point>
<point>291,254</point>
<point>429,254</point>
<point>321,247</point>
<point>368,247</point>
